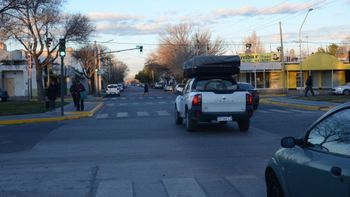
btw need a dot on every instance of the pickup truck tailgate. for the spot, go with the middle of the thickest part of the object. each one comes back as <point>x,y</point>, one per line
<point>212,102</point>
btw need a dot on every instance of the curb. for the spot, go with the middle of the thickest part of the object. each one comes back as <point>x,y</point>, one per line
<point>298,106</point>
<point>70,116</point>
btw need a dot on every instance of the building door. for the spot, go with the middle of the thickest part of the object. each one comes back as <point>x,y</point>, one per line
<point>10,86</point>
<point>347,76</point>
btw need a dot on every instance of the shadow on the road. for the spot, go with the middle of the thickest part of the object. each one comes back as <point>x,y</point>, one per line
<point>214,129</point>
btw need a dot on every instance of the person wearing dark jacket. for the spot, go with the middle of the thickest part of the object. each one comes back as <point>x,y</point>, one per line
<point>76,90</point>
<point>52,93</point>
<point>309,86</point>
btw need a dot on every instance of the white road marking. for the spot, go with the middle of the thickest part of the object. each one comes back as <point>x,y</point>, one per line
<point>183,187</point>
<point>123,104</point>
<point>142,113</point>
<point>135,103</point>
<point>280,111</point>
<point>163,113</point>
<point>264,111</point>
<point>115,188</point>
<point>162,102</point>
<point>159,97</point>
<point>302,111</point>
<point>122,114</point>
<point>149,103</point>
<point>5,142</point>
<point>123,98</point>
<point>244,185</point>
<point>114,99</point>
<point>151,97</point>
<point>102,116</point>
<point>110,104</point>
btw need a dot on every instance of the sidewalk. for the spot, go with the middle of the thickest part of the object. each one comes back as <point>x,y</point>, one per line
<point>92,105</point>
<point>298,103</point>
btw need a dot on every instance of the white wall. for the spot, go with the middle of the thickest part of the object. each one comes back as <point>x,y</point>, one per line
<point>18,77</point>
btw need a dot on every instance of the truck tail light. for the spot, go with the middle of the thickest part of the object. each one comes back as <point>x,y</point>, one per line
<point>197,100</point>
<point>249,100</point>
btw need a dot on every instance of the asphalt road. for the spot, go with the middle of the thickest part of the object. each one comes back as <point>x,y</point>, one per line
<point>132,147</point>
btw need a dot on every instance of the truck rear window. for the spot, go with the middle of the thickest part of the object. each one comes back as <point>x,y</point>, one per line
<point>216,85</point>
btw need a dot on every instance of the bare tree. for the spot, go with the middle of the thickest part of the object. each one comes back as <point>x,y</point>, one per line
<point>256,46</point>
<point>33,21</point>
<point>87,59</point>
<point>115,71</point>
<point>7,5</point>
<point>180,43</point>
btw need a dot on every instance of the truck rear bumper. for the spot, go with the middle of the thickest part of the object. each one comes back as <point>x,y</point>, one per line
<point>199,116</point>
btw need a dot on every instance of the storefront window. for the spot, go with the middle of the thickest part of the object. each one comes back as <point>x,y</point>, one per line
<point>326,79</point>
<point>300,80</point>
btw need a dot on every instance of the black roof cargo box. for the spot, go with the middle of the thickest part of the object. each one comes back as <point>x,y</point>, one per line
<point>212,66</point>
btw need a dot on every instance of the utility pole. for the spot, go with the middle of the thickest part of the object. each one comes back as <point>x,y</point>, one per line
<point>282,60</point>
<point>62,49</point>
<point>96,59</point>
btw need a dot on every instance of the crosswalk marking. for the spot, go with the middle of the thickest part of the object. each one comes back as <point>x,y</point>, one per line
<point>163,113</point>
<point>142,113</point>
<point>149,103</point>
<point>114,99</point>
<point>123,104</point>
<point>159,97</point>
<point>263,111</point>
<point>186,187</point>
<point>123,98</point>
<point>280,111</point>
<point>110,104</point>
<point>244,185</point>
<point>161,102</point>
<point>115,188</point>
<point>122,114</point>
<point>102,116</point>
<point>135,103</point>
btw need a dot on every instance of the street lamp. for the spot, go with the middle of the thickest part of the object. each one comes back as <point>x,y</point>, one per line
<point>300,57</point>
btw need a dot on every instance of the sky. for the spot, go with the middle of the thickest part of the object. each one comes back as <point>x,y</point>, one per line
<point>126,24</point>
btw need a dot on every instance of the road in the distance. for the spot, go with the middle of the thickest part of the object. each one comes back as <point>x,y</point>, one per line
<point>132,147</point>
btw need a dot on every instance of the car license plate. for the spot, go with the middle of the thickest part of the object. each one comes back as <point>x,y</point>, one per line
<point>224,118</point>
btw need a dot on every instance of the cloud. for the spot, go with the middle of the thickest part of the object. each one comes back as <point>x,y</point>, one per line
<point>100,16</point>
<point>285,8</point>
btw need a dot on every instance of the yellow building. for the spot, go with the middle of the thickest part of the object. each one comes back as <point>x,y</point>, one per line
<point>326,70</point>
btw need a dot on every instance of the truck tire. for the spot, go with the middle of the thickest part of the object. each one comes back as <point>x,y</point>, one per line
<point>190,124</point>
<point>243,124</point>
<point>178,118</point>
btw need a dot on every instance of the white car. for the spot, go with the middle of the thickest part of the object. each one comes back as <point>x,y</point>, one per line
<point>344,89</point>
<point>168,88</point>
<point>213,99</point>
<point>112,90</point>
<point>179,88</point>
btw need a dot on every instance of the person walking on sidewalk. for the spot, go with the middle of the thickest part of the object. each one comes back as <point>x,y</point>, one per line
<point>78,94</point>
<point>309,86</point>
<point>52,93</point>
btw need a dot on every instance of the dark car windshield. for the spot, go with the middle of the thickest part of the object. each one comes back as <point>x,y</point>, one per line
<point>215,85</point>
<point>112,86</point>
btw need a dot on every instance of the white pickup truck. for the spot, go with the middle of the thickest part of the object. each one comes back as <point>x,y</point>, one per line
<point>213,99</point>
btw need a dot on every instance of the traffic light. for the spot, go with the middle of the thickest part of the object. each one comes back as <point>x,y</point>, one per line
<point>48,42</point>
<point>62,47</point>
<point>141,49</point>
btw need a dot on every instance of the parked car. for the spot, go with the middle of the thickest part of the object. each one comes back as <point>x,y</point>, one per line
<point>158,85</point>
<point>344,89</point>
<point>179,88</point>
<point>112,90</point>
<point>317,164</point>
<point>168,88</point>
<point>248,87</point>
<point>3,95</point>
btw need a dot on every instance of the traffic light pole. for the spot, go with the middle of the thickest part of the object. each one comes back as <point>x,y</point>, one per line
<point>62,86</point>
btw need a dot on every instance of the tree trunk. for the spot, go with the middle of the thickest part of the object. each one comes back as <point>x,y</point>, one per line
<point>39,81</point>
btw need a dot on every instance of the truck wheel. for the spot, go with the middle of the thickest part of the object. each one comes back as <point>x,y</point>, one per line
<point>243,124</point>
<point>190,124</point>
<point>178,119</point>
<point>346,92</point>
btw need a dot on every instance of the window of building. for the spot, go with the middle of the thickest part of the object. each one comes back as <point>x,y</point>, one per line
<point>300,79</point>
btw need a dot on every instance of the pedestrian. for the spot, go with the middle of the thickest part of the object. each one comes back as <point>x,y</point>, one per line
<point>79,94</point>
<point>52,93</point>
<point>145,90</point>
<point>309,86</point>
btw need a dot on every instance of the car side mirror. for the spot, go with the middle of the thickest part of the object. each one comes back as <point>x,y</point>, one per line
<point>288,142</point>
